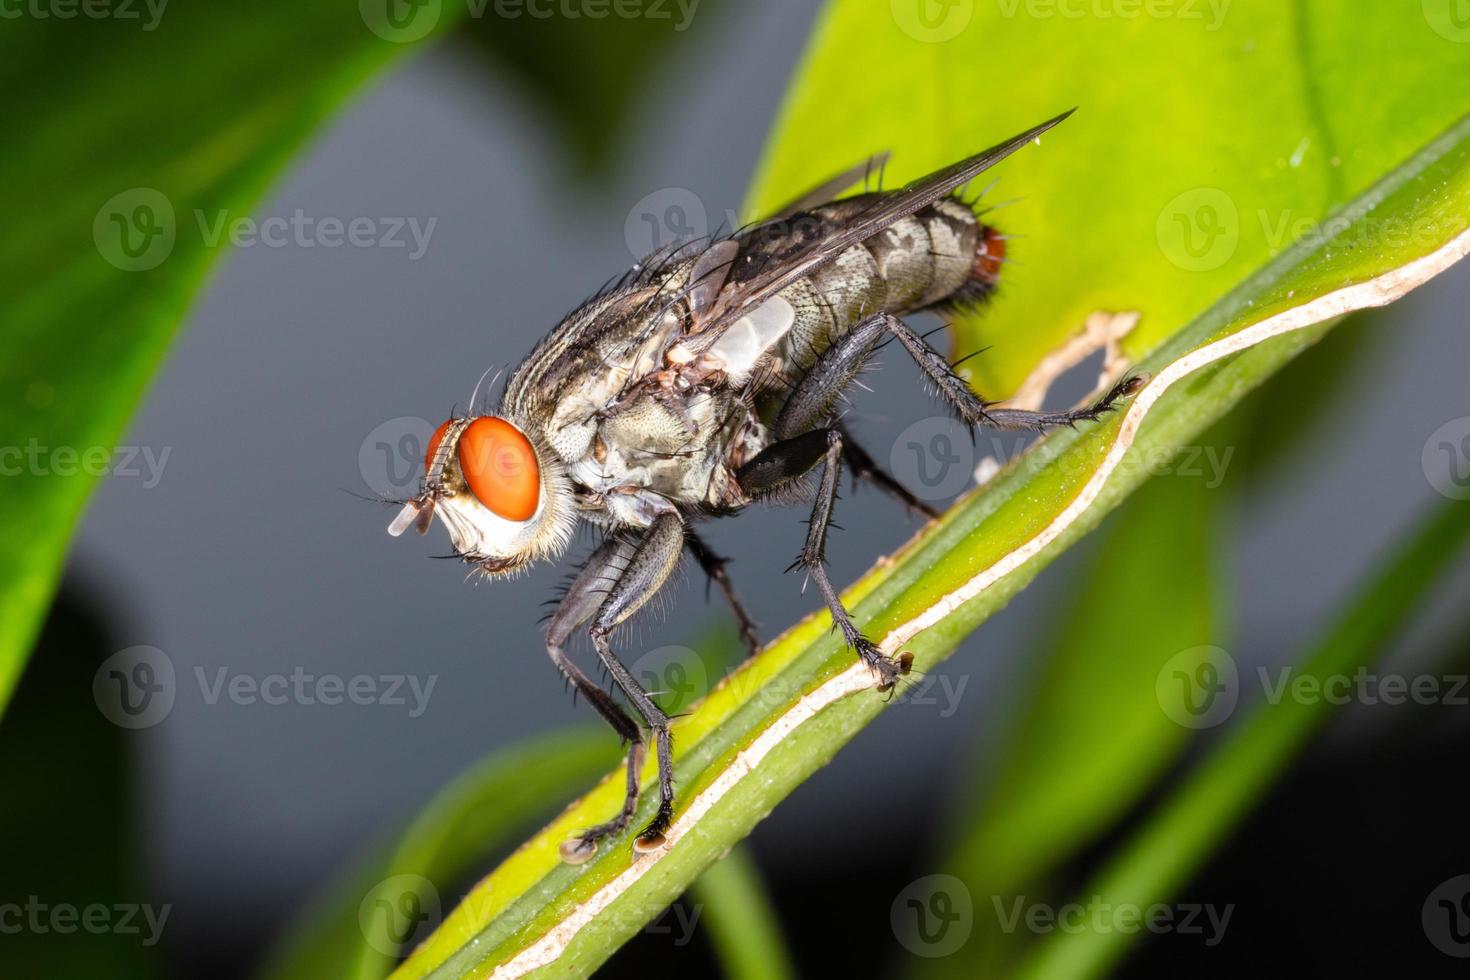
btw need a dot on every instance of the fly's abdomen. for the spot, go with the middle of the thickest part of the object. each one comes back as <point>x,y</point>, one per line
<point>939,258</point>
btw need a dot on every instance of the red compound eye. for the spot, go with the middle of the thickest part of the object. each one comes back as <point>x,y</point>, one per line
<point>499,464</point>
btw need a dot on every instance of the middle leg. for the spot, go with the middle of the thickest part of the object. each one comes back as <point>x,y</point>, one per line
<point>780,465</point>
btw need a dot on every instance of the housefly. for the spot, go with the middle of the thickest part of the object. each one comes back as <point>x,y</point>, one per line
<point>704,380</point>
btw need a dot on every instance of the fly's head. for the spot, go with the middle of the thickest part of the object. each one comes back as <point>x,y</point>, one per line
<point>505,501</point>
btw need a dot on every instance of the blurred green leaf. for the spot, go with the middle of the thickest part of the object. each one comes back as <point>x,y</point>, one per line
<point>360,930</point>
<point>1090,739</point>
<point>1275,423</point>
<point>767,727</point>
<point>619,62</point>
<point>91,818</point>
<point>742,925</point>
<point>119,130</point>
<point>1199,815</point>
<point>1208,140</point>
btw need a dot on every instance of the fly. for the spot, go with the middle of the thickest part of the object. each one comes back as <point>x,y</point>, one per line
<point>706,379</point>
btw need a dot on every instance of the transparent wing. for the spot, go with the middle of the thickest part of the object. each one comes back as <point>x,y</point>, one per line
<point>749,291</point>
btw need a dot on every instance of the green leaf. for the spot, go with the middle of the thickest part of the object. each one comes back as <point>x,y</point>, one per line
<point>784,713</point>
<point>741,923</point>
<point>1200,814</point>
<point>617,61</point>
<point>1240,125</point>
<point>353,935</point>
<point>114,128</point>
<point>1091,740</point>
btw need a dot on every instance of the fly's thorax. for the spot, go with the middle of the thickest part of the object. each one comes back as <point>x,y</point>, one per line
<point>670,447</point>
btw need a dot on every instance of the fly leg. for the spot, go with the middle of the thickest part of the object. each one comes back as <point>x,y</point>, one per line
<point>714,567</point>
<point>654,556</point>
<point>865,467</point>
<point>779,465</point>
<point>587,592</point>
<point>975,410</point>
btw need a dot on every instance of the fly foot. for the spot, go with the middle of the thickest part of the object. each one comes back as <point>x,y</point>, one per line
<point>888,669</point>
<point>654,837</point>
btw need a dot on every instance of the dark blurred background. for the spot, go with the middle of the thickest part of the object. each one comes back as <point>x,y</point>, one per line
<point>252,554</point>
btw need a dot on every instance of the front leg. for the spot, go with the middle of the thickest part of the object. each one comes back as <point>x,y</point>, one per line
<point>583,598</point>
<point>778,466</point>
<point>653,559</point>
